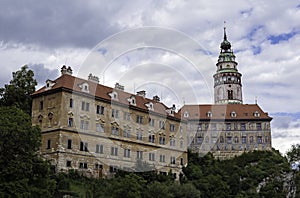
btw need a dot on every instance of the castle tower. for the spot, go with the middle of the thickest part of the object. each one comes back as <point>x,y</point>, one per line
<point>227,80</point>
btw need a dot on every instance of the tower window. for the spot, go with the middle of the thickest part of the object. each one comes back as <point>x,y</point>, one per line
<point>230,94</point>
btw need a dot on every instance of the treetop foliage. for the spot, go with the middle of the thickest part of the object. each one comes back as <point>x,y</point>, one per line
<point>17,92</point>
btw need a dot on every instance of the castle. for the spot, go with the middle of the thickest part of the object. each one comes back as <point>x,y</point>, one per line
<point>98,129</point>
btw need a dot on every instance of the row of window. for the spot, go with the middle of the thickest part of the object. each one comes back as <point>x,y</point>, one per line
<point>84,125</point>
<point>235,140</point>
<point>228,126</point>
<point>100,148</point>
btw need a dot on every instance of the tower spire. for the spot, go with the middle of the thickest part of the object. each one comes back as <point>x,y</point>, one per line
<point>228,84</point>
<point>225,36</point>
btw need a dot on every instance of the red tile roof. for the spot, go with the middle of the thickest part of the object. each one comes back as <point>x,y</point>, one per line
<point>72,83</point>
<point>224,111</point>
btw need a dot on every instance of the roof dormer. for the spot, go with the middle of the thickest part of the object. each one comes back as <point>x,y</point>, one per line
<point>150,106</point>
<point>113,95</point>
<point>84,87</point>
<point>132,100</point>
<point>49,84</point>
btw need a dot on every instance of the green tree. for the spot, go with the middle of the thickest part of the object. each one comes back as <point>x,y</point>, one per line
<point>294,153</point>
<point>22,172</point>
<point>18,91</point>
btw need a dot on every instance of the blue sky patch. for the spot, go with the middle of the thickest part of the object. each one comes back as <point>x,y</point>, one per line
<point>256,49</point>
<point>275,39</point>
<point>253,32</point>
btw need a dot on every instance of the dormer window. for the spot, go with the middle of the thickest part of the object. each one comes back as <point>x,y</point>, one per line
<point>256,114</point>
<point>233,114</point>
<point>113,95</point>
<point>150,106</point>
<point>132,100</point>
<point>186,114</point>
<point>49,84</point>
<point>84,87</point>
<point>209,114</point>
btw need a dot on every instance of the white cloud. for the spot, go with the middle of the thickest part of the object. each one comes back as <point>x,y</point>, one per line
<point>36,34</point>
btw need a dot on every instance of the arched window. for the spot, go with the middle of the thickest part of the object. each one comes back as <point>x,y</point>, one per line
<point>230,94</point>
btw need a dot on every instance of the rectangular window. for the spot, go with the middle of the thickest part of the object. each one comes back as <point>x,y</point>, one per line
<point>41,105</point>
<point>162,158</point>
<point>69,144</point>
<point>98,166</point>
<point>114,151</point>
<point>259,139</point>
<point>151,122</point>
<point>69,163</point>
<point>84,146</point>
<point>151,157</point>
<point>181,144</point>
<point>85,106</point>
<point>172,142</point>
<point>127,116</point>
<point>229,140</point>
<point>152,138</point>
<point>100,110</point>
<point>228,126</point>
<point>113,169</point>
<point>172,160</point>
<point>244,139</point>
<point>70,122</point>
<point>139,154</point>
<point>172,127</point>
<point>99,148</point>
<point>82,105</point>
<point>115,130</point>
<point>181,161</point>
<point>258,126</point>
<point>127,132</point>
<point>71,103</point>
<point>86,125</point>
<point>83,165</point>
<point>49,144</point>
<point>126,152</point>
<point>115,113</point>
<point>139,135</point>
<point>81,124</point>
<point>139,119</point>
<point>243,126</point>
<point>162,140</point>
<point>99,127</point>
<point>81,146</point>
<point>161,124</point>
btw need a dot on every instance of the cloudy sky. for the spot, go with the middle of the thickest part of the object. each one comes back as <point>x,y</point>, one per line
<point>168,48</point>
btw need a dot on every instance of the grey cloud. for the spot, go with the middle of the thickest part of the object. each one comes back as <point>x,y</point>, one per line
<point>41,73</point>
<point>55,23</point>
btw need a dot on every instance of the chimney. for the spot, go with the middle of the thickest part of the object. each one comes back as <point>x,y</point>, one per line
<point>65,70</point>
<point>92,78</point>
<point>119,87</point>
<point>156,98</point>
<point>141,93</point>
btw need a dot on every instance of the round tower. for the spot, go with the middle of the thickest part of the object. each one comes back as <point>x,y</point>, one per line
<point>227,80</point>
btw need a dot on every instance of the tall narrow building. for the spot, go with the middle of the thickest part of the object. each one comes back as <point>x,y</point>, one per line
<point>227,80</point>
